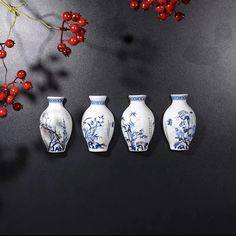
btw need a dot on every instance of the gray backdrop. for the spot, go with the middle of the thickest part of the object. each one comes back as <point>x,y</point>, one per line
<point>126,52</point>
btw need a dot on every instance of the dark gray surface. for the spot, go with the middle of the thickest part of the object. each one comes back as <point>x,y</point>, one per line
<point>120,192</point>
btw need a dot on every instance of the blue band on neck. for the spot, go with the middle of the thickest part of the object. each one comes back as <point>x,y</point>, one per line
<point>55,100</point>
<point>98,102</point>
<point>179,97</point>
<point>137,98</point>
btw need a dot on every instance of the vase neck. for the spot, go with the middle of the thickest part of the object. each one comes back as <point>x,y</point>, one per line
<point>179,98</point>
<point>98,100</point>
<point>55,101</point>
<point>137,99</point>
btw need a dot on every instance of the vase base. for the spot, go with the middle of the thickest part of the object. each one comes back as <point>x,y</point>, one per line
<point>56,152</point>
<point>98,150</point>
<point>178,150</point>
<point>138,150</point>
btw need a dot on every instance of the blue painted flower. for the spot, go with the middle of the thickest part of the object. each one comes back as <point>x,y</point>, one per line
<point>90,127</point>
<point>132,135</point>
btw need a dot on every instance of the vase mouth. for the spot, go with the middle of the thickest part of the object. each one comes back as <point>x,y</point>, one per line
<point>137,97</point>
<point>55,99</point>
<point>97,97</point>
<point>179,96</point>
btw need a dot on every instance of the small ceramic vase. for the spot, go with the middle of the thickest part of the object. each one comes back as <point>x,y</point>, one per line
<point>137,124</point>
<point>98,125</point>
<point>55,125</point>
<point>179,123</point>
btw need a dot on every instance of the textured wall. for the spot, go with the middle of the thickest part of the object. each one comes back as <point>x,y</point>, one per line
<point>125,53</point>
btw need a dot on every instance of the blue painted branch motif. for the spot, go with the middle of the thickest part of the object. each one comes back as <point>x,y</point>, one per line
<point>184,131</point>
<point>57,134</point>
<point>90,128</point>
<point>133,136</point>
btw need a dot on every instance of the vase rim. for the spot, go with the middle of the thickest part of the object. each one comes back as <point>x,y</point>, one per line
<point>97,97</point>
<point>137,95</point>
<point>51,97</point>
<point>179,96</point>
<point>136,98</point>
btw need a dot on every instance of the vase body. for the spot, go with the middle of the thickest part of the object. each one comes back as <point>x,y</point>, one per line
<point>55,125</point>
<point>98,125</point>
<point>137,124</point>
<point>179,123</point>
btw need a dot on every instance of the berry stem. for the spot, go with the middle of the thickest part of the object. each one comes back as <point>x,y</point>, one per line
<point>62,30</point>
<point>17,12</point>
<point>12,9</point>
<point>12,26</point>
<point>39,20</point>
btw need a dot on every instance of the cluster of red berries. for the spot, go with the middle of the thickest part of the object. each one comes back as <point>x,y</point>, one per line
<point>9,92</point>
<point>164,8</point>
<point>9,43</point>
<point>75,23</point>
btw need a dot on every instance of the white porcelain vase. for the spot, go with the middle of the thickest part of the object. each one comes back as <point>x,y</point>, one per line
<point>98,125</point>
<point>55,125</point>
<point>179,123</point>
<point>137,124</point>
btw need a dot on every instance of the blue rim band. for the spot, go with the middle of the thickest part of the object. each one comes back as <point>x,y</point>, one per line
<point>179,97</point>
<point>55,100</point>
<point>137,98</point>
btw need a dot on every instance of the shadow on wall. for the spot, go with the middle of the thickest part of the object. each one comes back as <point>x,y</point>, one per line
<point>136,56</point>
<point>12,163</point>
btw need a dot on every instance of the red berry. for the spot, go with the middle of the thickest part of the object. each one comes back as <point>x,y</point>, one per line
<point>27,85</point>
<point>67,16</point>
<point>145,5</point>
<point>3,112</point>
<point>21,74</point>
<point>10,99</point>
<point>163,16</point>
<point>134,4</point>
<point>80,37</point>
<point>3,53</point>
<point>9,43</point>
<point>82,31</point>
<point>67,52</point>
<point>61,47</point>
<point>160,8</point>
<point>75,16</point>
<point>3,96</point>
<point>73,40</point>
<point>17,106</point>
<point>179,16</point>
<point>14,90</point>
<point>169,8</point>
<point>74,28</point>
<point>82,22</point>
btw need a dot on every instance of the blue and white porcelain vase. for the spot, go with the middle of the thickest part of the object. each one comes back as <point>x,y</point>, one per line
<point>137,124</point>
<point>179,123</point>
<point>98,125</point>
<point>55,125</point>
